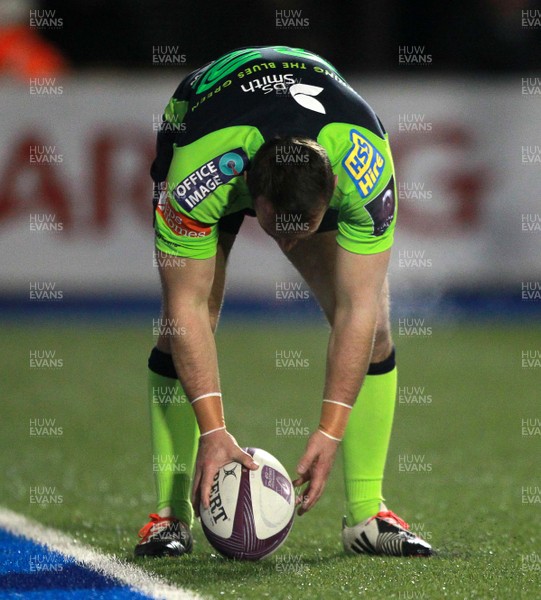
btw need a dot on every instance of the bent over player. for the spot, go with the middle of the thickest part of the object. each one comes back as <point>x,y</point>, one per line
<point>276,133</point>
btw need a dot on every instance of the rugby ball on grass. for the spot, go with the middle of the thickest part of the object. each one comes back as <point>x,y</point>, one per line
<point>251,512</point>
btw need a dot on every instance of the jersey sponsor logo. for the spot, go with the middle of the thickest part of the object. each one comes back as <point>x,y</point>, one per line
<point>182,224</point>
<point>363,163</point>
<point>303,94</point>
<point>231,164</point>
<point>269,83</point>
<point>194,188</point>
<point>381,209</point>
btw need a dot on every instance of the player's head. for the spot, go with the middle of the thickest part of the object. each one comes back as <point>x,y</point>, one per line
<point>291,183</point>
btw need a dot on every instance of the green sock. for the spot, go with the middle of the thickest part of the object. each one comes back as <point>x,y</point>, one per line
<point>366,442</point>
<point>175,438</point>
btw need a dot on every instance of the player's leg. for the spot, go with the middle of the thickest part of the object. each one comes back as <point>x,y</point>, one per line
<point>175,433</point>
<point>367,436</point>
<point>174,426</point>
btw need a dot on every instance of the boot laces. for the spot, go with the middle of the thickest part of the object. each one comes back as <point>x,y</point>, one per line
<point>155,519</point>
<point>390,515</point>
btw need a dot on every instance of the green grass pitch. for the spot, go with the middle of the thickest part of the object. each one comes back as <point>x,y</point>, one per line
<point>468,501</point>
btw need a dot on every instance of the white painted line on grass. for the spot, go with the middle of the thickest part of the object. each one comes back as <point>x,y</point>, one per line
<point>110,566</point>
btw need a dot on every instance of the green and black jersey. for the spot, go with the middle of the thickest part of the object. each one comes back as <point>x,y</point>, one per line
<point>223,112</point>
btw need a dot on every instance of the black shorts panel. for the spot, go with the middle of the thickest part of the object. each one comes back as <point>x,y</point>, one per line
<point>232,223</point>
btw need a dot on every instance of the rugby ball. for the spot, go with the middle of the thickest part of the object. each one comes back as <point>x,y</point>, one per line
<point>251,512</point>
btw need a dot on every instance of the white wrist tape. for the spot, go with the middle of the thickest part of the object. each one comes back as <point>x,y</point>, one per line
<point>212,431</point>
<point>339,403</point>
<point>205,396</point>
<point>331,437</point>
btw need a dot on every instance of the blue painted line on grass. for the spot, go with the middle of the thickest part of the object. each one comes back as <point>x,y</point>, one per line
<point>31,570</point>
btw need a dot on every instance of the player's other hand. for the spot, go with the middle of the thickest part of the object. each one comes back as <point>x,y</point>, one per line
<point>215,451</point>
<point>314,467</point>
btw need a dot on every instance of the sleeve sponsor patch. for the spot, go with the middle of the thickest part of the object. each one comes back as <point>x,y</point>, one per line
<point>381,209</point>
<point>363,163</point>
<point>181,224</point>
<point>194,188</point>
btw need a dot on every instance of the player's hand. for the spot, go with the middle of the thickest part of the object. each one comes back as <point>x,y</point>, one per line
<point>314,466</point>
<point>215,451</point>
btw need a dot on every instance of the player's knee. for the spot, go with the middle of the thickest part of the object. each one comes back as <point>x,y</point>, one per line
<point>161,363</point>
<point>214,313</point>
<point>385,365</point>
<point>163,344</point>
<point>383,345</point>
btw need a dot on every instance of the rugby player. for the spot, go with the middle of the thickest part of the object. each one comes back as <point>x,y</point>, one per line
<point>275,133</point>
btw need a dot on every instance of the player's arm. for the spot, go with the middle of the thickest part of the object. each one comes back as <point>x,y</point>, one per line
<point>358,284</point>
<point>186,287</point>
<point>359,280</point>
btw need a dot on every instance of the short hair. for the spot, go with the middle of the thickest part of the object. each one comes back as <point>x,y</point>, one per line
<point>294,174</point>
